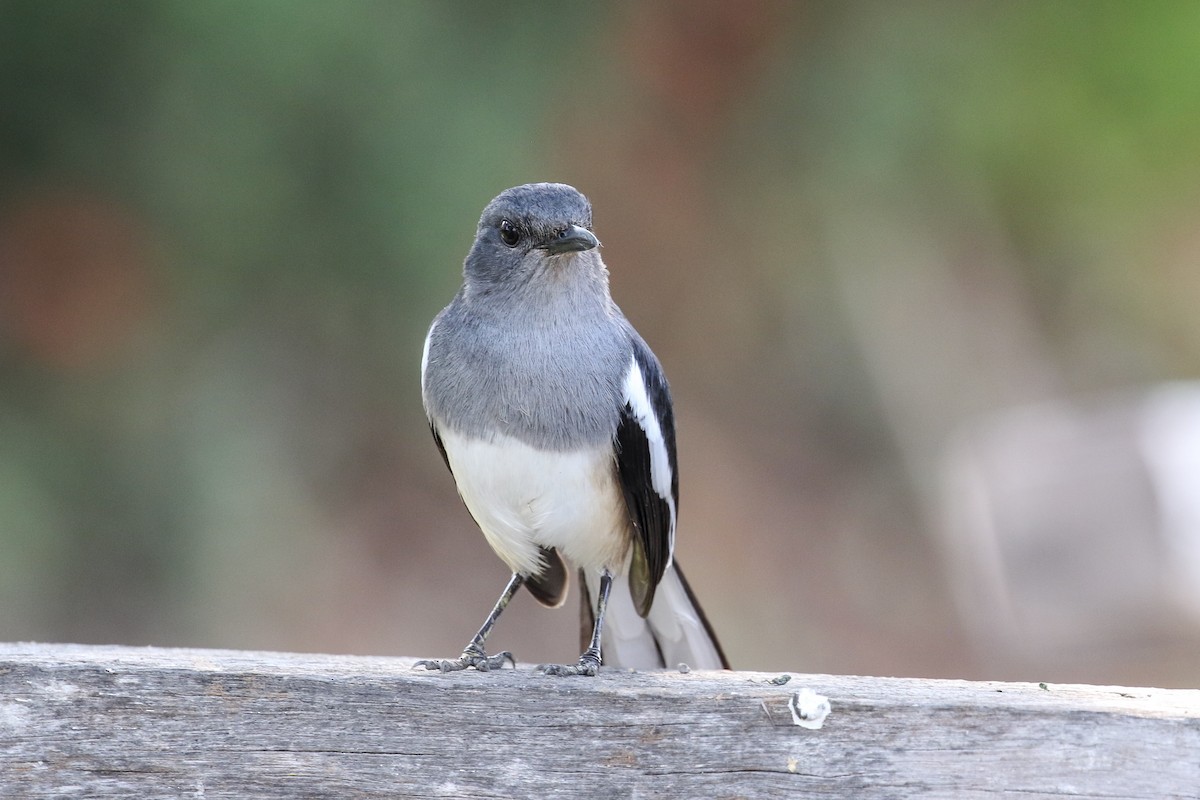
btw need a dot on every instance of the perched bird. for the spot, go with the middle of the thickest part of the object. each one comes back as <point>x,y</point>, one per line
<point>555,420</point>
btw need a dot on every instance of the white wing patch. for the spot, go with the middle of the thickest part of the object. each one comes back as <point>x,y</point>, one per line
<point>425,356</point>
<point>660,462</point>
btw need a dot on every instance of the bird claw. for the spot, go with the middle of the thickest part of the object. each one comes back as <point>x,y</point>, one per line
<point>470,658</point>
<point>588,665</point>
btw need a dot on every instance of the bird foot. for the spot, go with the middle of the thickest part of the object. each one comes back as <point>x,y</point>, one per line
<point>589,664</point>
<point>471,657</point>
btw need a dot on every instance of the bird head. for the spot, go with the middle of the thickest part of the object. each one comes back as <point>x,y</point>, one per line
<point>531,231</point>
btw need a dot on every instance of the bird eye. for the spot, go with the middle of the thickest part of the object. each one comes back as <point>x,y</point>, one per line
<point>509,233</point>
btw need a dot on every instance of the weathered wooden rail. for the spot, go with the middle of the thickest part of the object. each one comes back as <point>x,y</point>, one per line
<point>82,721</point>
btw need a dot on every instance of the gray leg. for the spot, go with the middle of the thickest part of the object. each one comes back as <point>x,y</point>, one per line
<point>474,655</point>
<point>589,662</point>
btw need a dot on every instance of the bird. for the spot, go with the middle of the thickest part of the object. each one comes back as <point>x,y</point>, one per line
<point>556,422</point>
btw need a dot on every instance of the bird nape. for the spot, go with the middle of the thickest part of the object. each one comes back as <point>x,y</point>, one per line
<point>555,419</point>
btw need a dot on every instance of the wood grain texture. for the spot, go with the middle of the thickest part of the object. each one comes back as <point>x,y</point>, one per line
<point>82,721</point>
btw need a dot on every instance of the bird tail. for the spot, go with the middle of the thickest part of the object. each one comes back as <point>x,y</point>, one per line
<point>674,632</point>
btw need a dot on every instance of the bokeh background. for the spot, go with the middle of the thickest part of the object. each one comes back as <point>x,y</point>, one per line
<point>924,277</point>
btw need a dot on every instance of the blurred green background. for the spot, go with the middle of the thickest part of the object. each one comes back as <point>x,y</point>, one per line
<point>847,229</point>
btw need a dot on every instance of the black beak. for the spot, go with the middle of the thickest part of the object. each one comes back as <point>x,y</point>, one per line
<point>571,239</point>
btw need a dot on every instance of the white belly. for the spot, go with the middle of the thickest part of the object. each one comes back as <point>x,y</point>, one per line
<point>524,498</point>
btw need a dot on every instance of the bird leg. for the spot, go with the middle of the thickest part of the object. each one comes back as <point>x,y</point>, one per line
<point>589,662</point>
<point>474,655</point>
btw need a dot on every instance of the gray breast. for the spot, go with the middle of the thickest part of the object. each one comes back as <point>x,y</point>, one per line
<point>554,381</point>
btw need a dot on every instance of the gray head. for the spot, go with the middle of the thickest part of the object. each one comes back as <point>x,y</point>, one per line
<point>534,323</point>
<point>534,231</point>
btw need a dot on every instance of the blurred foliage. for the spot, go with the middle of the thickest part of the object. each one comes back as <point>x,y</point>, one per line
<point>358,122</point>
<point>301,163</point>
<point>224,227</point>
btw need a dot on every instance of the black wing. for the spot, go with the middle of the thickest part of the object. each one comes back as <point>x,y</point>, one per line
<point>437,439</point>
<point>644,447</point>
